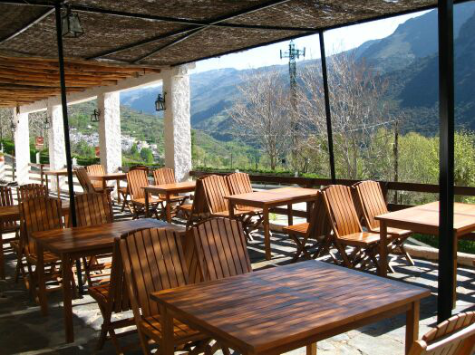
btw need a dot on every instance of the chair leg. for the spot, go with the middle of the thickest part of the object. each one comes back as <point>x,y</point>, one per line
<point>406,255</point>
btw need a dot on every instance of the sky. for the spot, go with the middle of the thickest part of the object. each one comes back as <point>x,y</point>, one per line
<point>337,40</point>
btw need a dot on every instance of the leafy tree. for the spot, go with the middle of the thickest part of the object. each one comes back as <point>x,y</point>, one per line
<point>146,155</point>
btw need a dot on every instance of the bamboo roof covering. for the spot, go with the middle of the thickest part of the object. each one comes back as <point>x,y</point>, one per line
<point>129,38</point>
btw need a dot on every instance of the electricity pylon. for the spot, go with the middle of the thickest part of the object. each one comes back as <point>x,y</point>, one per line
<point>292,53</point>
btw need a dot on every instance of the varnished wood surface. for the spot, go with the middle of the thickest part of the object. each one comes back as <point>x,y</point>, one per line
<point>272,197</point>
<point>73,240</point>
<point>107,177</point>
<point>175,188</point>
<point>273,310</point>
<point>12,213</point>
<point>425,218</point>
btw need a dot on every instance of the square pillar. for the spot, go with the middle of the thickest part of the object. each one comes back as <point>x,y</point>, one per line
<point>177,127</point>
<point>22,147</point>
<point>56,148</point>
<point>110,131</point>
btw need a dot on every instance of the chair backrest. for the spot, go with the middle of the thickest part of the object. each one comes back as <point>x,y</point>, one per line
<point>139,167</point>
<point>39,214</point>
<point>92,209</point>
<point>164,176</point>
<point>239,183</point>
<point>215,189</point>
<point>28,191</point>
<point>6,199</point>
<point>153,261</point>
<point>220,244</point>
<point>319,224</point>
<point>454,336</point>
<point>96,169</point>
<point>369,198</point>
<point>136,180</point>
<point>84,180</point>
<point>341,210</point>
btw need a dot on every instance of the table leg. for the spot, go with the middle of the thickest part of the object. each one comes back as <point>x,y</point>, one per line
<point>383,249</point>
<point>147,214</point>
<point>58,187</point>
<point>118,185</point>
<point>290,214</point>
<point>455,268</point>
<point>167,331</point>
<point>168,212</point>
<point>41,280</point>
<point>267,238</point>
<point>308,211</point>
<point>412,328</point>
<point>311,349</point>
<point>67,298</point>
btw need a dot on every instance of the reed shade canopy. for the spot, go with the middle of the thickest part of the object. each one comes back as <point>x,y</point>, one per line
<point>121,39</point>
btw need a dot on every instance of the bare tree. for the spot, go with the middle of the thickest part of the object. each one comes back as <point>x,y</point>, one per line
<point>261,113</point>
<point>358,110</point>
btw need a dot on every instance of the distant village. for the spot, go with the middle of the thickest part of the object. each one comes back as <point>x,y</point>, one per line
<point>127,142</point>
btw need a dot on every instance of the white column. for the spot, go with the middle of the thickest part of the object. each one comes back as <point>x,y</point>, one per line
<point>177,128</point>
<point>22,147</point>
<point>110,131</point>
<point>56,137</point>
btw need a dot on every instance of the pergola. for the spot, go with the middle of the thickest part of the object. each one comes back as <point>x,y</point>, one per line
<point>133,43</point>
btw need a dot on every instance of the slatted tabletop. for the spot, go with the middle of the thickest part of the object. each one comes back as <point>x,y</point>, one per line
<point>425,218</point>
<point>112,176</point>
<point>168,190</point>
<point>269,199</point>
<point>82,239</point>
<point>280,309</point>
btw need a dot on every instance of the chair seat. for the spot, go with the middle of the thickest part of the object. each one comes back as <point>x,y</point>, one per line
<point>300,229</point>
<point>394,231</point>
<point>99,293</point>
<point>363,239</point>
<point>123,190</point>
<point>237,213</point>
<point>152,200</point>
<point>182,333</point>
<point>254,210</point>
<point>186,208</point>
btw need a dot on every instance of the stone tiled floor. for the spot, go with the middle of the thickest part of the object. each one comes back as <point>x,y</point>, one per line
<point>24,331</point>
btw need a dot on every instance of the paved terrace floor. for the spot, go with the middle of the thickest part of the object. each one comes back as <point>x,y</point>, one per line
<point>24,331</point>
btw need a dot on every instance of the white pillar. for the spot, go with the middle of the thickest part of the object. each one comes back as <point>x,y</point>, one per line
<point>56,137</point>
<point>22,147</point>
<point>110,131</point>
<point>177,127</point>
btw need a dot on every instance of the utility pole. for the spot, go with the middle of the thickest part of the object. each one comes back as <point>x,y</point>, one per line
<point>292,53</point>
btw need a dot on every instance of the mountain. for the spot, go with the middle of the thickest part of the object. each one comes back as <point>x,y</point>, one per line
<point>407,58</point>
<point>414,39</point>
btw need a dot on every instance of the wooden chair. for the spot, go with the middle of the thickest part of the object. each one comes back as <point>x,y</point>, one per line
<point>220,244</point>
<point>6,199</point>
<point>153,261</point>
<point>136,180</point>
<point>371,202</point>
<point>24,193</point>
<point>215,189</point>
<point>164,176</point>
<point>454,336</point>
<point>124,191</point>
<point>93,209</point>
<point>88,186</point>
<point>347,229</point>
<point>318,228</point>
<point>96,169</point>
<point>36,215</point>
<point>113,298</point>
<point>197,211</point>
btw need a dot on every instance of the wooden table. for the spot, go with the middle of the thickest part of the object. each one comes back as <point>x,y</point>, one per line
<point>12,214</point>
<point>426,219</point>
<point>276,310</point>
<point>109,177</point>
<point>57,174</point>
<point>168,190</point>
<point>269,199</point>
<point>74,243</point>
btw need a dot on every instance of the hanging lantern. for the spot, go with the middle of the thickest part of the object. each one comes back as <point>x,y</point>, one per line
<point>71,25</point>
<point>95,116</point>
<point>160,102</point>
<point>47,122</point>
